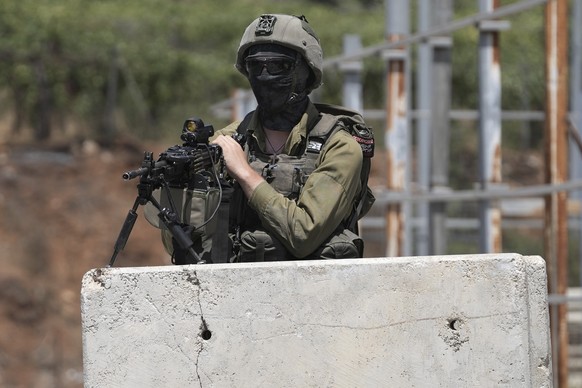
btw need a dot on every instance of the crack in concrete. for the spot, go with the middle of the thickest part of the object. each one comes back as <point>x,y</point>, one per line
<point>192,277</point>
<point>379,327</point>
<point>151,302</point>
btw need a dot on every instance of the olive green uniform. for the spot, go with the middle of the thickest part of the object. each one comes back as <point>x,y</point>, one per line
<point>327,197</point>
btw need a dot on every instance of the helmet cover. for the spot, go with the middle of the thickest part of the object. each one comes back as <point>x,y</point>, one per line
<point>289,31</point>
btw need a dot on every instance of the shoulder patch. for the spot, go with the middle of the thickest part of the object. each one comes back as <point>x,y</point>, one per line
<point>314,145</point>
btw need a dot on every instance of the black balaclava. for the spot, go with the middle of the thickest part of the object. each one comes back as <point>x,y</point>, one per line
<point>281,99</point>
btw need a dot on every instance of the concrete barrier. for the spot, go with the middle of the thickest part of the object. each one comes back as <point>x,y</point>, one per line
<point>446,321</point>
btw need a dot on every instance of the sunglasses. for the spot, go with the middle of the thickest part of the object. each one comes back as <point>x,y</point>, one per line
<point>274,66</point>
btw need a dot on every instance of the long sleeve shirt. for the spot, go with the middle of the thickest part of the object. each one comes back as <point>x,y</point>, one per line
<point>327,197</point>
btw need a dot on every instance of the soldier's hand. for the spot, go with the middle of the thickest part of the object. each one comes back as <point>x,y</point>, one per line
<point>237,166</point>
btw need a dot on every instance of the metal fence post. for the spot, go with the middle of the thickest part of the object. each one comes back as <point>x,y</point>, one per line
<point>441,104</point>
<point>556,153</point>
<point>396,132</point>
<point>352,70</point>
<point>423,130</point>
<point>490,125</point>
<point>576,114</point>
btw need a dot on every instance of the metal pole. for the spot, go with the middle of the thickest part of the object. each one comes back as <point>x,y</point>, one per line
<point>352,70</point>
<point>444,29</point>
<point>489,126</point>
<point>576,114</point>
<point>441,103</point>
<point>396,132</point>
<point>423,145</point>
<point>556,151</point>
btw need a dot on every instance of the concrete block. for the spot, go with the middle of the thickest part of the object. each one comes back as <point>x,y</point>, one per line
<point>439,321</point>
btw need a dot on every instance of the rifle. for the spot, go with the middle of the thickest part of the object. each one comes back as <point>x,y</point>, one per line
<point>194,164</point>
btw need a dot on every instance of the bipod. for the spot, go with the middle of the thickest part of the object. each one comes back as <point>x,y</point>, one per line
<point>168,216</point>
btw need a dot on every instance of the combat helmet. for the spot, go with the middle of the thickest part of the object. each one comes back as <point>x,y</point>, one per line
<point>290,31</point>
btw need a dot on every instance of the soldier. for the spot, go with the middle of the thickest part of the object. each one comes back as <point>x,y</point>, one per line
<point>298,178</point>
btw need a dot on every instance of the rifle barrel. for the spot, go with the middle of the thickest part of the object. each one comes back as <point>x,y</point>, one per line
<point>134,173</point>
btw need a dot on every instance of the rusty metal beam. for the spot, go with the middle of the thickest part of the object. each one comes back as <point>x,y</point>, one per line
<point>396,128</point>
<point>490,126</point>
<point>556,154</point>
<point>396,131</point>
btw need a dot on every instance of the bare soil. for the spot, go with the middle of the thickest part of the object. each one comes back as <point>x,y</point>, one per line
<point>61,210</point>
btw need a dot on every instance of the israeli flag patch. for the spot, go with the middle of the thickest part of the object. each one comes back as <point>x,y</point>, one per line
<point>314,145</point>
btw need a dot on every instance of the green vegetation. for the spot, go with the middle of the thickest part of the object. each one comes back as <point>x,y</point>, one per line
<point>150,63</point>
<point>164,59</point>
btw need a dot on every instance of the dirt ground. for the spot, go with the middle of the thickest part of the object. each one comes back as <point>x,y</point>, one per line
<point>61,210</point>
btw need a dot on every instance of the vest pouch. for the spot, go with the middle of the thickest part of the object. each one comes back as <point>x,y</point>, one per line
<point>193,207</point>
<point>344,244</point>
<point>180,197</point>
<point>287,174</point>
<point>258,245</point>
<point>204,204</point>
<point>367,201</point>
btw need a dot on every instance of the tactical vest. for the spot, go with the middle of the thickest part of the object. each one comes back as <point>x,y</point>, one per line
<point>287,174</point>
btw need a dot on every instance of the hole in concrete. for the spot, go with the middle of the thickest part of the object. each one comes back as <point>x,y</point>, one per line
<point>454,324</point>
<point>206,334</point>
